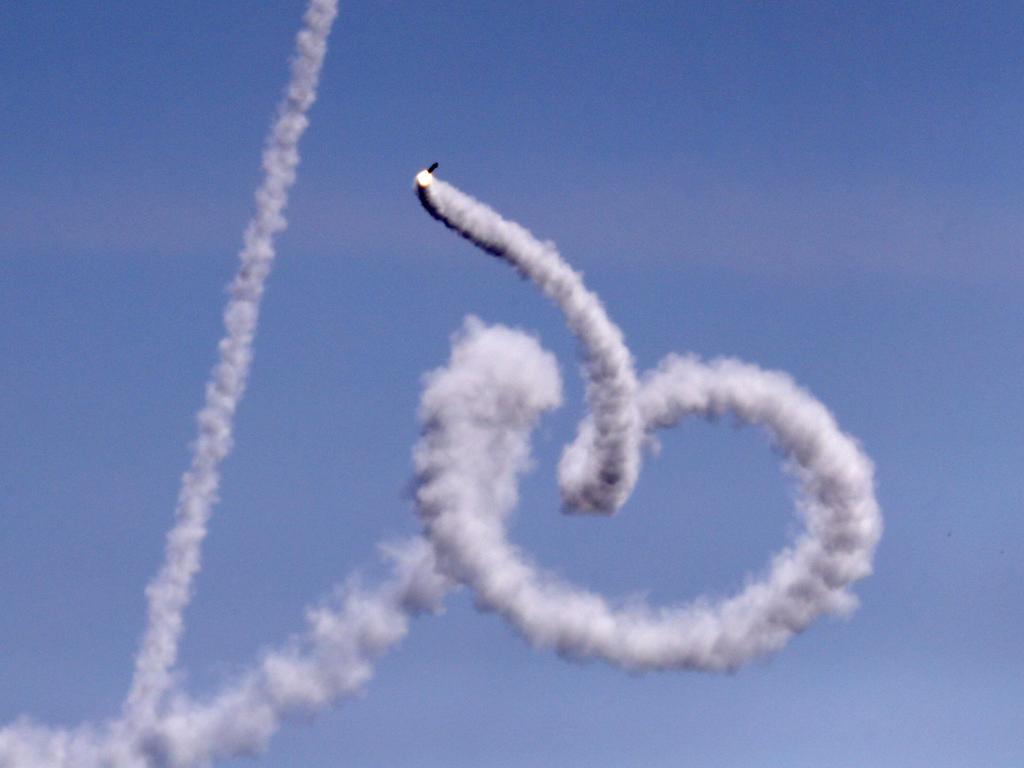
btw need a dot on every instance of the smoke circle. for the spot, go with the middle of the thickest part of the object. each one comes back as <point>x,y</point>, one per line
<point>478,413</point>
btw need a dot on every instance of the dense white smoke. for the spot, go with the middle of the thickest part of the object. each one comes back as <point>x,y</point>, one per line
<point>476,413</point>
<point>599,469</point>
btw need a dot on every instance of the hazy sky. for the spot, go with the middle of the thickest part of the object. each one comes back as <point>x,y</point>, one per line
<point>832,190</point>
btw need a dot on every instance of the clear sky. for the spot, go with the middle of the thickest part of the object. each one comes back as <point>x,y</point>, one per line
<point>829,189</point>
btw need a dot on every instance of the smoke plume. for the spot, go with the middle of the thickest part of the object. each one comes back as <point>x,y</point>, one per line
<point>331,661</point>
<point>132,739</point>
<point>475,414</point>
<point>599,469</point>
<point>169,592</point>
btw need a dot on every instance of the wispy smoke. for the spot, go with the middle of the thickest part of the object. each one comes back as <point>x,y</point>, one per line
<point>169,592</point>
<point>476,415</point>
<point>331,661</point>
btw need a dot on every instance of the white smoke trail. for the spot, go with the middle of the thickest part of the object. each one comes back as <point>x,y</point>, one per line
<point>598,471</point>
<point>331,661</point>
<point>25,744</point>
<point>475,408</point>
<point>170,591</point>
<point>477,415</point>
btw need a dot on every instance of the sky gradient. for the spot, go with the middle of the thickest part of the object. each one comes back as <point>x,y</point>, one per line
<point>824,189</point>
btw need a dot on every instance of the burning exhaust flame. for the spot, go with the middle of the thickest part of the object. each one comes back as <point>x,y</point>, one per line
<point>423,178</point>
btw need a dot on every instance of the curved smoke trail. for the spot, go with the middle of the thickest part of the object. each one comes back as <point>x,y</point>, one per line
<point>477,414</point>
<point>464,499</point>
<point>599,469</point>
<point>331,661</point>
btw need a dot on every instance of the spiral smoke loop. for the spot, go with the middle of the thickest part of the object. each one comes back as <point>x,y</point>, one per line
<point>464,500</point>
<point>477,413</point>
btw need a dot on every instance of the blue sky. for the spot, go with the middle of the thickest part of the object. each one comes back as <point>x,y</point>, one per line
<point>828,189</point>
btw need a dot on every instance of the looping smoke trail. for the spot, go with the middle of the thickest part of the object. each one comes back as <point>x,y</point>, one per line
<point>477,415</point>
<point>599,469</point>
<point>476,409</point>
<point>169,592</point>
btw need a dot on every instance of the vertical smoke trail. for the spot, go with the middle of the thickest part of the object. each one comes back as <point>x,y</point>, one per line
<point>598,471</point>
<point>169,592</point>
